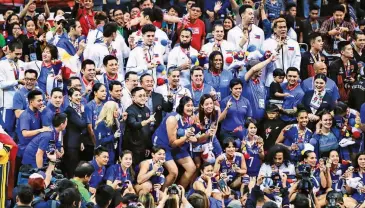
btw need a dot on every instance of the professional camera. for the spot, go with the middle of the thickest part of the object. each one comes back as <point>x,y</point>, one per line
<point>305,185</point>
<point>173,189</point>
<point>333,198</point>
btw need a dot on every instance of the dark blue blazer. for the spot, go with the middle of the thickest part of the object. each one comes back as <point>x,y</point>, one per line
<point>76,127</point>
<point>327,103</point>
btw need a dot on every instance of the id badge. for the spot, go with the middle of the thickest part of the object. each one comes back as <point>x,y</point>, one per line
<point>335,44</point>
<point>219,96</point>
<point>33,57</point>
<point>262,103</point>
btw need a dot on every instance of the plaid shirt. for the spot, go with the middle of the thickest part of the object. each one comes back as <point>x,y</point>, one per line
<point>329,25</point>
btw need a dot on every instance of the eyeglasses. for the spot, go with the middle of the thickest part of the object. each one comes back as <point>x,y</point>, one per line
<point>30,79</point>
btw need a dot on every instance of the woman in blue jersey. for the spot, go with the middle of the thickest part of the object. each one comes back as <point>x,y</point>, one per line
<point>230,165</point>
<point>106,129</point>
<point>150,174</point>
<point>92,111</point>
<point>336,171</point>
<point>356,189</point>
<point>252,148</point>
<point>206,181</point>
<point>294,136</point>
<point>235,110</point>
<point>319,173</point>
<point>121,175</point>
<point>206,125</point>
<point>176,135</point>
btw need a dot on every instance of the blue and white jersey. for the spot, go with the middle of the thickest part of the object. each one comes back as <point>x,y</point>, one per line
<point>227,166</point>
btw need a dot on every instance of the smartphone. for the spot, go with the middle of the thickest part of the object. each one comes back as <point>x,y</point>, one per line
<point>222,184</point>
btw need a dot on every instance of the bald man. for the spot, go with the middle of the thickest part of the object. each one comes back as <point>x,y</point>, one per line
<point>331,88</point>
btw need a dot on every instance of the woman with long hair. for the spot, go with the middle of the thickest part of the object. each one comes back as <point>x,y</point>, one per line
<point>216,77</point>
<point>76,127</point>
<point>294,136</point>
<point>357,174</point>
<point>31,35</point>
<point>337,169</point>
<point>106,129</point>
<point>176,135</point>
<point>228,24</point>
<point>97,98</point>
<point>206,124</point>
<point>230,165</point>
<point>121,175</point>
<point>253,147</point>
<point>150,176</point>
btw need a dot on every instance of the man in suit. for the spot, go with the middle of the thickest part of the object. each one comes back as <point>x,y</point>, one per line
<point>155,101</point>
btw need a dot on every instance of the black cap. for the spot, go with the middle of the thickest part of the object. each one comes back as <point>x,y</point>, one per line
<point>272,108</point>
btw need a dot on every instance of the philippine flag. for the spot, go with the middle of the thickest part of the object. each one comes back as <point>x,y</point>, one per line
<point>67,54</point>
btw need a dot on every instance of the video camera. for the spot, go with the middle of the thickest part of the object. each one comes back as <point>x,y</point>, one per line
<point>305,185</point>
<point>334,198</point>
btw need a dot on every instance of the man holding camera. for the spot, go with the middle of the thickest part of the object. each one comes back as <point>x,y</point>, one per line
<point>35,152</point>
<point>53,36</point>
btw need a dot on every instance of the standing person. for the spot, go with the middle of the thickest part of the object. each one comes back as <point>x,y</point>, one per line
<point>335,29</point>
<point>235,110</point>
<point>216,76</point>
<point>309,58</point>
<point>83,12</point>
<point>287,50</point>
<point>311,24</point>
<point>131,81</point>
<point>53,107</point>
<point>181,56</point>
<point>357,93</point>
<point>291,12</point>
<point>88,78</point>
<point>137,135</point>
<point>155,101</point>
<point>176,136</point>
<point>254,87</point>
<point>173,91</point>
<point>10,78</point>
<point>344,71</point>
<point>92,110</point>
<point>106,129</point>
<point>218,43</point>
<point>331,88</point>
<point>197,26</point>
<point>111,64</point>
<point>147,56</point>
<point>358,45</point>
<point>58,31</point>
<point>29,11</point>
<point>292,87</point>
<point>75,131</point>
<point>246,33</point>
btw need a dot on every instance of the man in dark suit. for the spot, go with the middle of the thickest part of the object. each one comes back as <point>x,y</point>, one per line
<point>155,101</point>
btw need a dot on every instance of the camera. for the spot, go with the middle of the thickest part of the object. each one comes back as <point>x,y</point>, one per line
<point>305,185</point>
<point>173,189</point>
<point>333,199</point>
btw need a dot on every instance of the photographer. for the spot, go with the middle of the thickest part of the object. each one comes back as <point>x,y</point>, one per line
<point>46,142</point>
<point>174,195</point>
<point>301,195</point>
<point>25,197</point>
<point>54,35</point>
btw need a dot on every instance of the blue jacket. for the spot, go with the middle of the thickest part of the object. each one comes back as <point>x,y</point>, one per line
<point>104,136</point>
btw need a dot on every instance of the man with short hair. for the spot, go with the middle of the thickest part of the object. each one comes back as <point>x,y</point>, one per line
<point>173,90</point>
<point>111,71</point>
<point>104,196</point>
<point>99,50</point>
<point>219,44</point>
<point>131,81</point>
<point>83,173</point>
<point>287,50</point>
<point>331,88</point>
<point>96,35</point>
<point>312,56</point>
<point>196,25</point>
<point>155,101</point>
<point>335,29</point>
<point>312,23</point>
<point>291,102</point>
<point>198,88</point>
<point>291,10</point>
<point>358,46</point>
<point>53,107</point>
<point>344,71</point>
<point>181,56</point>
<point>58,31</point>
<point>137,135</point>
<point>101,159</point>
<point>24,197</point>
<point>29,11</point>
<point>146,57</point>
<point>245,34</point>
<point>88,78</point>
<point>10,79</point>
<point>35,153</point>
<point>20,101</point>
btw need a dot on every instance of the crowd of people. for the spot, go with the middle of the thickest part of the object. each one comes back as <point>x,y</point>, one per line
<point>183,103</point>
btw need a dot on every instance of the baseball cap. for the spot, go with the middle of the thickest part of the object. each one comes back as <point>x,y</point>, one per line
<point>59,17</point>
<point>272,108</point>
